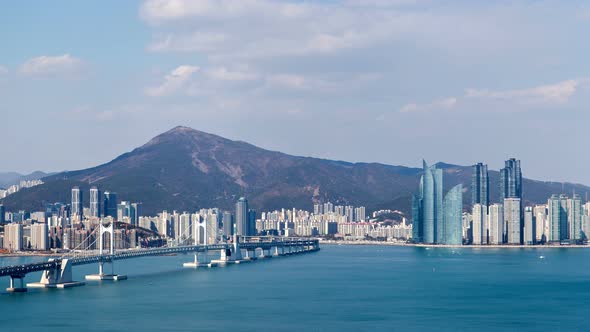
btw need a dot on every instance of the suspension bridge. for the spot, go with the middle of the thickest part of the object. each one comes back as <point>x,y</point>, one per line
<point>57,272</point>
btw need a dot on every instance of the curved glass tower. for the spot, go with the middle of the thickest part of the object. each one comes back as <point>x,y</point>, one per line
<point>453,208</point>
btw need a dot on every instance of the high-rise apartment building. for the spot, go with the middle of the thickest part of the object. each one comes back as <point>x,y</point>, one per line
<point>95,202</point>
<point>529,226</point>
<point>496,222</point>
<point>512,220</point>
<point>242,217</point>
<point>511,180</point>
<point>13,237</point>
<point>480,185</point>
<point>541,224</point>
<point>39,237</point>
<point>479,224</point>
<point>77,202</point>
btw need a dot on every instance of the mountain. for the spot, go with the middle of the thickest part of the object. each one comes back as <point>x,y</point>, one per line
<point>185,169</point>
<point>9,178</point>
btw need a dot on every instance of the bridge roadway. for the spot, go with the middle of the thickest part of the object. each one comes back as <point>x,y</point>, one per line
<point>19,271</point>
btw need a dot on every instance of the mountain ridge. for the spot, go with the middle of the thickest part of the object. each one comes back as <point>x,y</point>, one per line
<point>186,169</point>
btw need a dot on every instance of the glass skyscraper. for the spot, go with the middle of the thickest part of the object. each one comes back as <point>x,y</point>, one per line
<point>511,180</point>
<point>433,221</point>
<point>77,207</point>
<point>110,204</point>
<point>94,202</point>
<point>480,185</point>
<point>242,217</point>
<point>453,212</point>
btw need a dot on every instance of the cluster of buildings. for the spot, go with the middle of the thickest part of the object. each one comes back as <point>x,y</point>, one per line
<point>562,220</point>
<point>16,187</point>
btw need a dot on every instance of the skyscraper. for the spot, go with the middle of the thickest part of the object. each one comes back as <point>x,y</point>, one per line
<point>94,202</point>
<point>541,224</point>
<point>480,185</point>
<point>452,220</point>
<point>496,221</point>
<point>228,224</point>
<point>242,217</point>
<point>110,204</point>
<point>511,180</point>
<point>557,218</point>
<point>2,214</point>
<point>512,220</point>
<point>433,221</point>
<point>252,222</point>
<point>478,224</point>
<point>431,185</point>
<point>574,217</point>
<point>529,226</point>
<point>77,203</point>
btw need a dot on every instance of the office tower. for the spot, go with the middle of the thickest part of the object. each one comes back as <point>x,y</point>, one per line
<point>480,185</point>
<point>110,204</point>
<point>496,221</point>
<point>77,203</point>
<point>39,237</point>
<point>574,217</point>
<point>2,214</point>
<point>512,220</point>
<point>227,221</point>
<point>529,226</point>
<point>94,202</point>
<point>452,218</point>
<point>479,224</point>
<point>242,217</point>
<point>13,237</point>
<point>252,223</point>
<point>541,224</point>
<point>511,180</point>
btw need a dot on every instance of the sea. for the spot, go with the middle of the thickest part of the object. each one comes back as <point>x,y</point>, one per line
<point>340,288</point>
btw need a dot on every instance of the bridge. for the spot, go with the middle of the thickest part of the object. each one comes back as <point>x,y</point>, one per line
<point>57,272</point>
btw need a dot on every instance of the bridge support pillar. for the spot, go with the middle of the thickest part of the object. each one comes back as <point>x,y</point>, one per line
<point>58,277</point>
<point>276,251</point>
<point>203,261</point>
<point>13,288</point>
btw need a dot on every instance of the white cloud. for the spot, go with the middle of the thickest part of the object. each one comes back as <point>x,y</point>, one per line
<point>51,65</point>
<point>557,93</point>
<point>196,42</point>
<point>441,104</point>
<point>175,82</point>
<point>223,74</point>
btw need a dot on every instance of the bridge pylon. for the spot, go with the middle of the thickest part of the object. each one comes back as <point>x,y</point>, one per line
<point>58,276</point>
<point>107,257</point>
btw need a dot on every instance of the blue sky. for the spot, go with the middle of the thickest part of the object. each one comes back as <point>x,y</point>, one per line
<point>376,80</point>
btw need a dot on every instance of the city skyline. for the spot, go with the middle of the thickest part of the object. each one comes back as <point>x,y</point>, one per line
<point>157,67</point>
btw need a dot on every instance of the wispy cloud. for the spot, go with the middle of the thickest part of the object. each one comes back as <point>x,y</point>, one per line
<point>557,93</point>
<point>175,82</point>
<point>51,65</point>
<point>441,104</point>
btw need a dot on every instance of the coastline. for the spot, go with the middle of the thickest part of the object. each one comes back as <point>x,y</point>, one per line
<point>422,245</point>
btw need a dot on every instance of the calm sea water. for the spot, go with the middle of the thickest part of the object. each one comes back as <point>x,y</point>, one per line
<point>340,288</point>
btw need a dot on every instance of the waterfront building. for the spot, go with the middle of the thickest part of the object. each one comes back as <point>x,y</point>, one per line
<point>242,217</point>
<point>39,237</point>
<point>480,185</point>
<point>496,222</point>
<point>94,202</point>
<point>431,223</point>
<point>512,220</point>
<point>574,217</point>
<point>511,180</point>
<point>479,229</point>
<point>541,224</point>
<point>77,203</point>
<point>13,237</point>
<point>251,228</point>
<point>227,221</point>
<point>453,208</point>
<point>2,214</point>
<point>529,226</point>
<point>557,215</point>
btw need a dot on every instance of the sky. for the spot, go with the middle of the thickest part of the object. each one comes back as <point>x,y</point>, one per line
<point>82,82</point>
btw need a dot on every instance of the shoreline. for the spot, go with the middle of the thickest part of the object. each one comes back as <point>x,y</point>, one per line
<point>478,246</point>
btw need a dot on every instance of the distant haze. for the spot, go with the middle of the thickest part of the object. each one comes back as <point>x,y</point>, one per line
<point>374,81</point>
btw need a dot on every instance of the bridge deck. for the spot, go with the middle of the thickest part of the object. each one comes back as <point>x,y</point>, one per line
<point>20,271</point>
